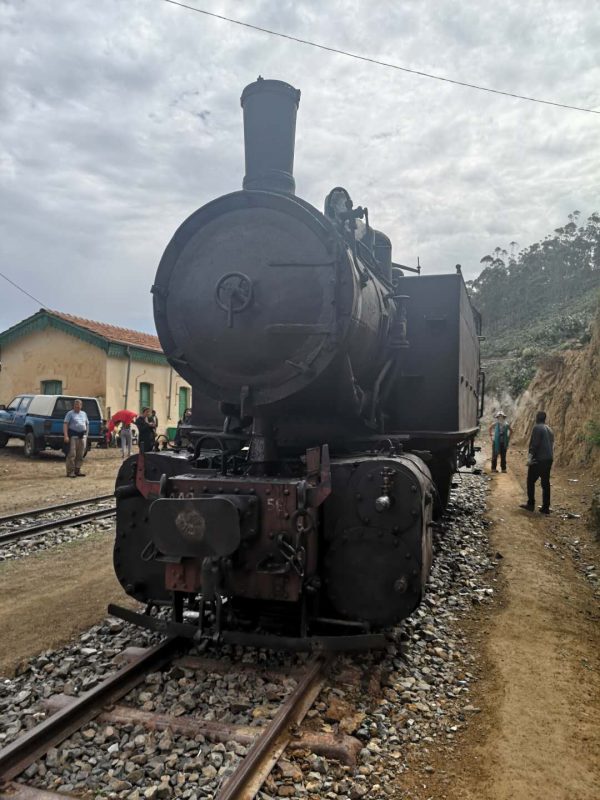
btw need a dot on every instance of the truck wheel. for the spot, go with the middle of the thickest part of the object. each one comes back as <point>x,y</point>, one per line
<point>30,447</point>
<point>3,439</point>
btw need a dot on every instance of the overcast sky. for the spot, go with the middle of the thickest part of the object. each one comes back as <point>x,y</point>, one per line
<point>118,118</point>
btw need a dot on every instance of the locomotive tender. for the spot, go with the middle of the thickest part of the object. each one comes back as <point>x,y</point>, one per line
<point>334,397</point>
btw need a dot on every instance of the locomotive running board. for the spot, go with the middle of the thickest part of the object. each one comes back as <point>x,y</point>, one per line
<point>347,642</point>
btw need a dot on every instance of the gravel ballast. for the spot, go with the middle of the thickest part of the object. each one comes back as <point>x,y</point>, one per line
<point>65,534</point>
<point>406,699</point>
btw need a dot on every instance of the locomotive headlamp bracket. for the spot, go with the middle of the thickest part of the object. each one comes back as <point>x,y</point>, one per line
<point>233,294</point>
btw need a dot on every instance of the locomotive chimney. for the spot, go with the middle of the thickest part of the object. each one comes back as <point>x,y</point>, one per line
<point>269,134</point>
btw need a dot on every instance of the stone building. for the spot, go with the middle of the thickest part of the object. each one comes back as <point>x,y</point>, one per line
<point>55,353</point>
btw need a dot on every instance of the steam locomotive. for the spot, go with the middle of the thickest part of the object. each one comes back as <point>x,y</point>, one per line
<point>334,396</point>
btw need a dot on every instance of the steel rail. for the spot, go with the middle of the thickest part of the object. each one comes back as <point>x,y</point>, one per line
<point>17,756</point>
<point>48,525</point>
<point>35,512</point>
<point>253,770</point>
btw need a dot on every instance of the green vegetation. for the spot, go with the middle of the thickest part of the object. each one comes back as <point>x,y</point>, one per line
<point>593,432</point>
<point>540,299</point>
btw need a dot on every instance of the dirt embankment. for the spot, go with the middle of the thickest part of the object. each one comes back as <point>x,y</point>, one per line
<point>567,387</point>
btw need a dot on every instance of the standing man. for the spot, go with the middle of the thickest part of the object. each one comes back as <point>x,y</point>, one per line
<point>500,433</point>
<point>145,431</point>
<point>153,421</point>
<point>539,460</point>
<point>75,431</point>
<point>185,420</point>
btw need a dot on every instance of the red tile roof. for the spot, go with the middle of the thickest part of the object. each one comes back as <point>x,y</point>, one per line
<point>112,333</point>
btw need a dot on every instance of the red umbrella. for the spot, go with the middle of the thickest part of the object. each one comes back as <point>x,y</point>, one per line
<point>121,416</point>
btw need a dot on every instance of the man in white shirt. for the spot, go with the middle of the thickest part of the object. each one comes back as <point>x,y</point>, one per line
<point>75,430</point>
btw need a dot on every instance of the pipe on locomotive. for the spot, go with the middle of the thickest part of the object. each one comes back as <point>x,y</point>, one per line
<point>270,108</point>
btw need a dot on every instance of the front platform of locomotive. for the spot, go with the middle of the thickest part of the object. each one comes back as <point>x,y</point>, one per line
<point>291,523</point>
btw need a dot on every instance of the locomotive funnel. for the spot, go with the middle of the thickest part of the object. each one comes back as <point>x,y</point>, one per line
<point>269,134</point>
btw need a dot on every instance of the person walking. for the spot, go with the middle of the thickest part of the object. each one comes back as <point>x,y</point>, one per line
<point>125,435</point>
<point>500,433</point>
<point>145,431</point>
<point>76,427</point>
<point>539,461</point>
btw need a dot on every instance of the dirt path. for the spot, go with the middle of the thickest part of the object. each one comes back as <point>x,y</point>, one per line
<point>47,598</point>
<point>538,735</point>
<point>37,482</point>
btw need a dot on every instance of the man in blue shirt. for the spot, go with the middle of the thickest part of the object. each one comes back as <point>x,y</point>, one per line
<point>75,430</point>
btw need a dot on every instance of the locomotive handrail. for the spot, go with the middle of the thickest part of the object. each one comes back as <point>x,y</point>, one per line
<point>481,394</point>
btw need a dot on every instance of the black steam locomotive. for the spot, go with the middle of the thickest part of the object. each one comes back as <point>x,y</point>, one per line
<point>334,396</point>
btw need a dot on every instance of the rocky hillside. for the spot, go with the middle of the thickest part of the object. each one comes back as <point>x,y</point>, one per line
<point>567,386</point>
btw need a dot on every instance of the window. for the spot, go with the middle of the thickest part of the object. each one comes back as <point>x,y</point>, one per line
<point>25,404</point>
<point>51,387</point>
<point>64,404</point>
<point>184,400</point>
<point>145,395</point>
<point>14,404</point>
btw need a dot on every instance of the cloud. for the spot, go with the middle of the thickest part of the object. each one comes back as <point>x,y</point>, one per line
<point>119,120</point>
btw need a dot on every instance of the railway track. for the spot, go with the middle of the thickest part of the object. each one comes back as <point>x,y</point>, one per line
<point>265,744</point>
<point>10,531</point>
<point>36,512</point>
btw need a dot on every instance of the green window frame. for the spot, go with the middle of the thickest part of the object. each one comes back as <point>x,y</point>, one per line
<point>146,393</point>
<point>184,400</point>
<point>52,387</point>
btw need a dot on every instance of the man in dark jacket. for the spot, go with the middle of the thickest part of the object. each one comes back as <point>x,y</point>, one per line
<point>185,420</point>
<point>145,431</point>
<point>541,454</point>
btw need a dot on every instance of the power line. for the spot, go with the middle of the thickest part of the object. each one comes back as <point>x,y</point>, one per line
<point>376,61</point>
<point>20,288</point>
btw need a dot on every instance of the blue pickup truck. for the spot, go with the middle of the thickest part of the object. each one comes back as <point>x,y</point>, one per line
<point>37,419</point>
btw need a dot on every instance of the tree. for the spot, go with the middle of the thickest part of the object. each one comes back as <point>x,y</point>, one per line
<point>513,286</point>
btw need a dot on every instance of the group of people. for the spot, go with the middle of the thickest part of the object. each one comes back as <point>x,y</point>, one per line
<point>147,425</point>
<point>539,458</point>
<point>76,428</point>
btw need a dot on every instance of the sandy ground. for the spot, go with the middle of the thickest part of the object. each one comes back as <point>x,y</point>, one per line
<point>47,598</point>
<point>41,481</point>
<point>538,733</point>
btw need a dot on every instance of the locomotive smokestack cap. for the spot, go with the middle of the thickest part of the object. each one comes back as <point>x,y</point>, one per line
<point>269,134</point>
